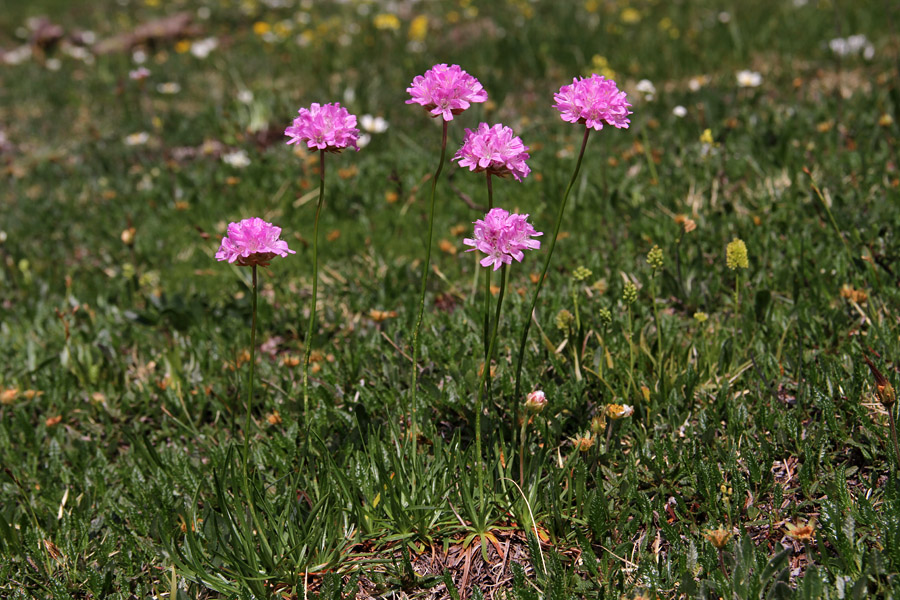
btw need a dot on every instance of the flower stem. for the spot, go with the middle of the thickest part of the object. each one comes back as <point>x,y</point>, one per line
<point>487,301</point>
<point>315,290</point>
<point>522,451</point>
<point>479,405</point>
<point>894,435</point>
<point>540,283</point>
<point>252,366</point>
<point>630,334</point>
<point>737,304</point>
<point>659,334</point>
<point>411,409</point>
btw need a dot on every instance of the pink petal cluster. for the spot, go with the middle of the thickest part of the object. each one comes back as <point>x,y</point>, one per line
<point>252,242</point>
<point>445,91</point>
<point>328,127</point>
<point>594,101</point>
<point>503,237</point>
<point>496,150</point>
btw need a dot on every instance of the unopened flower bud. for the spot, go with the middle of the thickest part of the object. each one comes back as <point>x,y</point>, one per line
<point>535,401</point>
<point>128,236</point>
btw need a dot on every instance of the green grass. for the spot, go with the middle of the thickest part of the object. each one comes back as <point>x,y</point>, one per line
<point>122,474</point>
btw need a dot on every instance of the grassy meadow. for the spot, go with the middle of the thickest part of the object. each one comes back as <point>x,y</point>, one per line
<point>758,460</point>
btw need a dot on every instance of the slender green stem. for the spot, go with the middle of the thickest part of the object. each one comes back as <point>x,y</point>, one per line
<point>631,383</point>
<point>659,332</point>
<point>737,304</point>
<point>678,267</point>
<point>479,405</point>
<point>522,451</point>
<point>894,435</point>
<point>537,290</point>
<point>252,366</point>
<point>577,337</point>
<point>411,409</point>
<point>315,290</point>
<point>487,300</point>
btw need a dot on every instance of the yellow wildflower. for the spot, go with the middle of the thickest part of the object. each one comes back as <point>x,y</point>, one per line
<point>736,255</point>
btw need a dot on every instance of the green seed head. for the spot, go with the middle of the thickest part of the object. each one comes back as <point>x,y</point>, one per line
<point>655,258</point>
<point>564,320</point>
<point>581,273</point>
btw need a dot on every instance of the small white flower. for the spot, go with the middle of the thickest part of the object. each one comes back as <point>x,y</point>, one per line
<point>2,236</point>
<point>363,140</point>
<point>373,124</point>
<point>88,37</point>
<point>800,3</point>
<point>237,159</point>
<point>202,48</point>
<point>139,57</point>
<point>349,95</point>
<point>203,13</point>
<point>724,17</point>
<point>137,139</point>
<point>170,87</point>
<point>646,87</point>
<point>245,96</point>
<point>54,64</point>
<point>869,52</point>
<point>749,79</point>
<point>679,111</point>
<point>696,82</point>
<point>17,56</point>
<point>839,46</point>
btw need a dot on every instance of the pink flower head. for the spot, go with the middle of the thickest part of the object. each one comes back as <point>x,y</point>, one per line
<point>327,127</point>
<point>445,91</point>
<point>595,102</point>
<point>503,237</point>
<point>252,242</point>
<point>496,150</point>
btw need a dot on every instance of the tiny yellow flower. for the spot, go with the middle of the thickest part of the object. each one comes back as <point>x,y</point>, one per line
<point>706,137</point>
<point>584,443</point>
<point>418,29</point>
<point>386,21</point>
<point>630,16</point>
<point>802,533</point>
<point>619,411</point>
<point>736,255</point>
<point>261,28</point>
<point>718,537</point>
<point>701,317</point>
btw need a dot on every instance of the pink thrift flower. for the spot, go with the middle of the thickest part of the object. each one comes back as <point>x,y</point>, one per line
<point>595,101</point>
<point>328,127</point>
<point>445,91</point>
<point>252,242</point>
<point>496,150</point>
<point>503,237</point>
